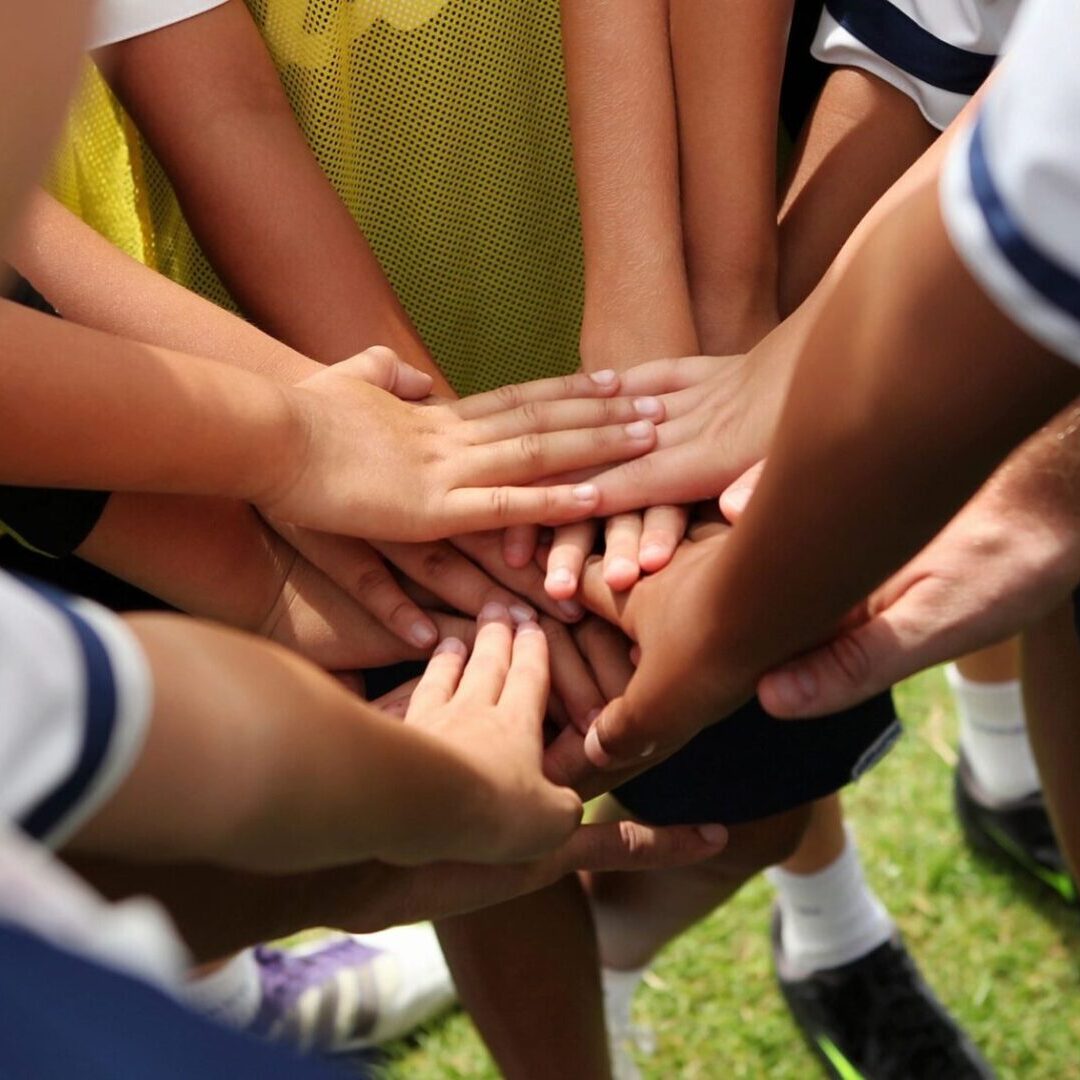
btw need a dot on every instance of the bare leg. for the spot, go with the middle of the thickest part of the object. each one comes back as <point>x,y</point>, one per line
<point>637,914</point>
<point>1051,666</point>
<point>527,969</point>
<point>994,664</point>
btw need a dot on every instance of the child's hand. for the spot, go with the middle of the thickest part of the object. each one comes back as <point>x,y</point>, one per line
<point>678,687</point>
<point>373,465</point>
<point>490,710</point>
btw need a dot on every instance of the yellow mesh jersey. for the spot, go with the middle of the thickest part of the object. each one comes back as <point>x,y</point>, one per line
<point>442,124</point>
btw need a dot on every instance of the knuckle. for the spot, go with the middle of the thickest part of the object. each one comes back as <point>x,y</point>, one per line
<point>531,448</point>
<point>569,386</point>
<point>436,562</point>
<point>371,580</point>
<point>529,413</point>
<point>851,659</point>
<point>508,396</point>
<point>499,497</point>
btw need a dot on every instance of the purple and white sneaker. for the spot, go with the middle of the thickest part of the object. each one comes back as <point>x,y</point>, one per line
<point>335,993</point>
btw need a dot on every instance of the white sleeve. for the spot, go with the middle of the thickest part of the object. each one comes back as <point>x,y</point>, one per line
<point>76,696</point>
<point>118,20</point>
<point>1010,188</point>
<point>938,52</point>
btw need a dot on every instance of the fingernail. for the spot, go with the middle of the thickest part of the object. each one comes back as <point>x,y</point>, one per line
<point>520,613</point>
<point>530,626</point>
<point>450,644</point>
<point>621,568</point>
<point>648,406</point>
<point>586,492</point>
<point>713,834</point>
<point>423,634</point>
<point>737,498</point>
<point>604,378</point>
<point>594,751</point>
<point>491,612</point>
<point>640,429</point>
<point>653,551</point>
<point>571,609</point>
<point>789,688</point>
<point>560,576</point>
<point>648,751</point>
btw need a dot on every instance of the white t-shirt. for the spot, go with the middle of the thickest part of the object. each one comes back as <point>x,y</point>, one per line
<point>118,20</point>
<point>1010,188</point>
<point>938,52</point>
<point>76,697</point>
<point>75,700</point>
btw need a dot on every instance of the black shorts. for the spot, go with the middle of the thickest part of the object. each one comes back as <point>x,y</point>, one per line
<point>751,765</point>
<point>1076,610</point>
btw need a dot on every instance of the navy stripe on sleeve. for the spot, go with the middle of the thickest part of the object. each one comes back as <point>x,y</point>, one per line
<point>900,40</point>
<point>99,722</point>
<point>1054,282</point>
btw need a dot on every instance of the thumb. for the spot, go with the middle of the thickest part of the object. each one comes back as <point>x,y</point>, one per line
<point>844,672</point>
<point>617,735</point>
<point>734,500</point>
<point>382,367</point>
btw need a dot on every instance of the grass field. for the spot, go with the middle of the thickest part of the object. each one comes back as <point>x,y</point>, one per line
<point>1004,958</point>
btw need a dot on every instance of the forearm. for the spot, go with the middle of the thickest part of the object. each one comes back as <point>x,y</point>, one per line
<point>622,118</point>
<point>728,61</point>
<point>880,399</point>
<point>291,771</point>
<point>93,283</point>
<point>97,411</point>
<point>307,276</point>
<point>206,556</point>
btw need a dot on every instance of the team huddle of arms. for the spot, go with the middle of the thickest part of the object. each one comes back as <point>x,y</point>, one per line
<point>324,517</point>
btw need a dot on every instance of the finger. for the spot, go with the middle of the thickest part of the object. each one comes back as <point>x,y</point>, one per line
<point>622,539</point>
<point>519,545</point>
<point>485,673</point>
<point>477,509</point>
<point>356,567</point>
<point>525,691</point>
<point>597,595</point>
<point>551,416</point>
<point>353,681</point>
<point>854,666</point>
<point>662,529</point>
<point>570,547</point>
<point>630,845</point>
<point>382,367</point>
<point>526,582</point>
<point>669,375</point>
<point>532,457</point>
<point>607,650</point>
<point>571,678</point>
<point>684,473</point>
<point>562,387</point>
<point>456,580</point>
<point>396,701</point>
<point>455,626</point>
<point>440,680</point>
<point>565,764</point>
<point>736,498</point>
<point>619,736</point>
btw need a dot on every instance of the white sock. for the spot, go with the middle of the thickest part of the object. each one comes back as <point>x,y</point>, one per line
<point>831,917</point>
<point>993,735</point>
<point>619,989</point>
<point>231,994</point>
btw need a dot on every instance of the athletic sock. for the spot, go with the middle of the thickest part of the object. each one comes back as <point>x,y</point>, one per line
<point>229,995</point>
<point>619,989</point>
<point>993,735</point>
<point>830,917</point>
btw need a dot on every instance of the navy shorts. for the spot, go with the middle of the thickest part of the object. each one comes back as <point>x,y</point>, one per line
<point>751,765</point>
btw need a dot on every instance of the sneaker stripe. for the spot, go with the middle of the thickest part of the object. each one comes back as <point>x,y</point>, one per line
<point>844,1069</point>
<point>1059,882</point>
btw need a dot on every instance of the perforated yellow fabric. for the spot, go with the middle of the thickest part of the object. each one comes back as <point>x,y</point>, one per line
<point>442,124</point>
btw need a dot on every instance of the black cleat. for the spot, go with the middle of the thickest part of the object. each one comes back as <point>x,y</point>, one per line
<point>1016,831</point>
<point>876,1019</point>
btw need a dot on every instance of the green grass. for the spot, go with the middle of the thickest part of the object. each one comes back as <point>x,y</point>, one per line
<point>1004,958</point>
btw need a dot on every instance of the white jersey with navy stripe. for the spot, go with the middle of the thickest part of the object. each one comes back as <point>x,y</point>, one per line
<point>938,52</point>
<point>75,695</point>
<point>1010,188</point>
<point>118,20</point>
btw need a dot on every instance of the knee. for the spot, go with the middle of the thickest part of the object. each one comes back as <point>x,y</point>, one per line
<point>757,845</point>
